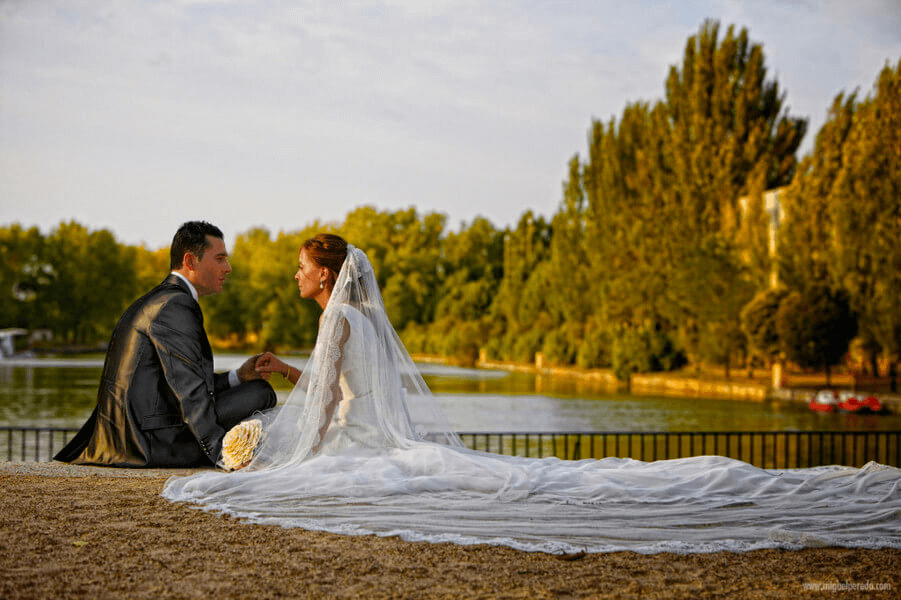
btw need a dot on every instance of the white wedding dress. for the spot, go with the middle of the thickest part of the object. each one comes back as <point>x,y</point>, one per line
<point>360,448</point>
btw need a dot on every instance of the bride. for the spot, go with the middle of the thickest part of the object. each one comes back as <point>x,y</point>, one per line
<point>360,447</point>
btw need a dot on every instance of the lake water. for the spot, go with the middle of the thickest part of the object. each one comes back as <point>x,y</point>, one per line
<point>62,393</point>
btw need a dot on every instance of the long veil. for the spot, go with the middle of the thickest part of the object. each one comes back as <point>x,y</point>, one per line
<point>407,473</point>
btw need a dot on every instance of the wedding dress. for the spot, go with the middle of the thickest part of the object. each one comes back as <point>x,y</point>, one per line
<point>360,448</point>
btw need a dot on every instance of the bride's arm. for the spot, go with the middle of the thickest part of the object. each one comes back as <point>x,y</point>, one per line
<point>332,385</point>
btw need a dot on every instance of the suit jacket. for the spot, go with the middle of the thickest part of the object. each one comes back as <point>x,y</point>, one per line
<point>155,405</point>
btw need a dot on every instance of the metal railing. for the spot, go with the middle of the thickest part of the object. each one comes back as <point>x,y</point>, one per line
<point>766,449</point>
<point>33,444</point>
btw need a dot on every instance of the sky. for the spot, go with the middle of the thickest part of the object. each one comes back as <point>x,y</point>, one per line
<point>138,116</point>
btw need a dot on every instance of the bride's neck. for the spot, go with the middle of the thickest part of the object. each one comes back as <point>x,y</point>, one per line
<point>323,297</point>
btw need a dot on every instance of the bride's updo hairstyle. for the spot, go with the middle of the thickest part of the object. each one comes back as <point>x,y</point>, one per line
<point>329,251</point>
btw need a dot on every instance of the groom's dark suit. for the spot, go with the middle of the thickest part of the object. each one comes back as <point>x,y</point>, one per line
<point>159,402</point>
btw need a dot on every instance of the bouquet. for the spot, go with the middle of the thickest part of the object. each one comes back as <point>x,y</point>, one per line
<point>240,443</point>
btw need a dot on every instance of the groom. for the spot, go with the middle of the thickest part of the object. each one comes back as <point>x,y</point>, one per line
<point>159,402</point>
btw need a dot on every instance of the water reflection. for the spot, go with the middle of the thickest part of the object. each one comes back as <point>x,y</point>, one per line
<point>47,396</point>
<point>62,393</point>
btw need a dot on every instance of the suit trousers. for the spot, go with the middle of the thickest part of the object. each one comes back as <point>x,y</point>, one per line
<point>242,401</point>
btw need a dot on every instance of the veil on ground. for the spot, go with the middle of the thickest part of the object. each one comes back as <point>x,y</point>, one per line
<point>360,447</point>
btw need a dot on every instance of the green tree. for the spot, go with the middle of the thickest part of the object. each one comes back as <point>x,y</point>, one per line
<point>405,251</point>
<point>567,265</point>
<point>288,321</point>
<point>25,277</point>
<point>716,290</point>
<point>643,349</point>
<point>471,269</point>
<point>865,212</point>
<point>470,272</point>
<point>151,267</point>
<point>260,307</point>
<point>95,281</point>
<point>815,327</point>
<point>521,314</point>
<point>805,236</point>
<point>730,137</point>
<point>627,242</point>
<point>728,122</point>
<point>257,272</point>
<point>759,323</point>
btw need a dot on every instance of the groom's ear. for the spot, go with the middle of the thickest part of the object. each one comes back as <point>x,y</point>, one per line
<point>189,261</point>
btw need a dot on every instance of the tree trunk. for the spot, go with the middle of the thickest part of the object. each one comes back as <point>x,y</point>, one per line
<point>893,375</point>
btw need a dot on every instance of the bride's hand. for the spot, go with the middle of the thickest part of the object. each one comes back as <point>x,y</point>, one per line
<point>267,364</point>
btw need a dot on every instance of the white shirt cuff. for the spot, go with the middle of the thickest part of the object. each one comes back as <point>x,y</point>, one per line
<point>233,378</point>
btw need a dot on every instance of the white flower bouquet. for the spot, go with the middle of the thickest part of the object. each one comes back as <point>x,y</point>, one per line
<point>240,443</point>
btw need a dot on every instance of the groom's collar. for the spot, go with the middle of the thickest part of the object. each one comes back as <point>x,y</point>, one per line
<point>191,287</point>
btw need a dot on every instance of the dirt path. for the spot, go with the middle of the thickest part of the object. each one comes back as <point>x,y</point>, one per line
<point>69,532</point>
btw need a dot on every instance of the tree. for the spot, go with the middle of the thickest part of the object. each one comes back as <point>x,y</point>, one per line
<point>404,250</point>
<point>643,349</point>
<point>759,322</point>
<point>629,218</point>
<point>727,122</point>
<point>25,277</point>
<point>729,137</point>
<point>805,236</point>
<point>151,267</point>
<point>712,287</point>
<point>567,265</point>
<point>665,227</point>
<point>470,271</point>
<point>523,325</point>
<point>288,321</point>
<point>815,327</point>
<point>865,212</point>
<point>95,281</point>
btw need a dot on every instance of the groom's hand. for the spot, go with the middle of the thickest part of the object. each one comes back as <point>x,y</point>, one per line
<point>268,363</point>
<point>248,372</point>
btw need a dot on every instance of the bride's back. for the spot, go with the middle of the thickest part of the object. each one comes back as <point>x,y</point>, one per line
<point>356,420</point>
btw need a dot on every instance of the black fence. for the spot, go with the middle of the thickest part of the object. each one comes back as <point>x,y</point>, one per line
<point>33,444</point>
<point>766,449</point>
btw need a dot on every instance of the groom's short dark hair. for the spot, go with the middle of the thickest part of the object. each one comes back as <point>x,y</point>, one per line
<point>191,237</point>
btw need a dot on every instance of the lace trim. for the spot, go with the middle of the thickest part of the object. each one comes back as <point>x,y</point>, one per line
<point>327,388</point>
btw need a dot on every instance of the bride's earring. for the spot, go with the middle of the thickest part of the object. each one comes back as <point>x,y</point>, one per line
<point>321,284</point>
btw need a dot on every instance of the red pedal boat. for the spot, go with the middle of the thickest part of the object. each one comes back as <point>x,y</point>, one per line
<point>852,402</point>
<point>846,401</point>
<point>825,401</point>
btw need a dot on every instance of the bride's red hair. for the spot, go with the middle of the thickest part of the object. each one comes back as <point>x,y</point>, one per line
<point>327,250</point>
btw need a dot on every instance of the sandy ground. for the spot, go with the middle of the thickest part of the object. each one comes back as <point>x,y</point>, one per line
<point>81,532</point>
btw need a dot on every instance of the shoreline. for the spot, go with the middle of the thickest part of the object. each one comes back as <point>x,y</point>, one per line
<point>707,384</point>
<point>60,522</point>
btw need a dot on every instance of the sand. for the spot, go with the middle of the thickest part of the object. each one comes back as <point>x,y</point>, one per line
<point>81,532</point>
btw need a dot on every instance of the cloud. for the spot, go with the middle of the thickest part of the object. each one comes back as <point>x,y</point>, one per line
<point>276,114</point>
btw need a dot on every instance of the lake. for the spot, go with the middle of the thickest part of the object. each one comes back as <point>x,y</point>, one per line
<point>46,392</point>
